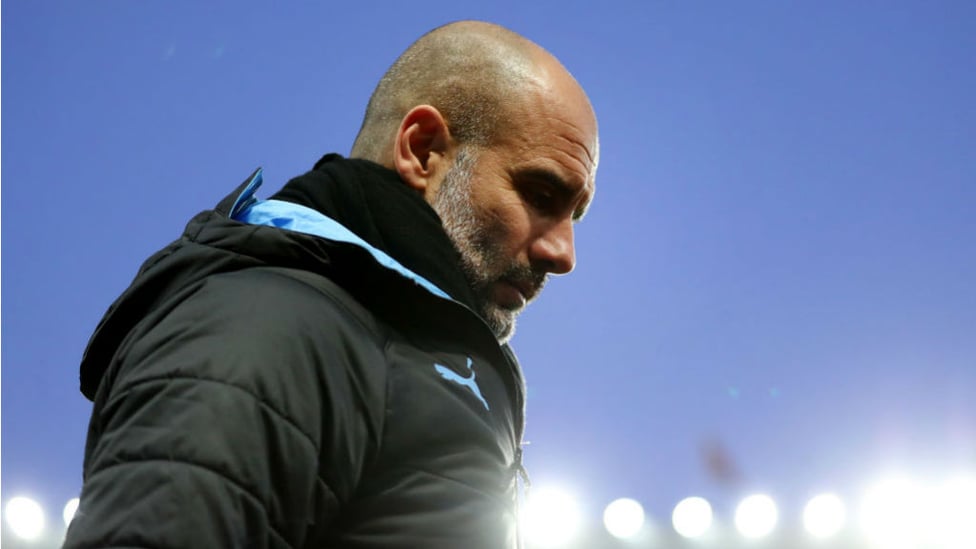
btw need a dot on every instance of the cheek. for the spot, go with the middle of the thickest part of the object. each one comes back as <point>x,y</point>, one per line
<point>504,219</point>
<point>507,232</point>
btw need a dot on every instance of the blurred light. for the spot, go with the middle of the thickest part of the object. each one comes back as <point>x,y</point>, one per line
<point>756,516</point>
<point>25,517</point>
<point>953,518</point>
<point>69,510</point>
<point>892,513</point>
<point>623,518</point>
<point>550,517</point>
<point>692,517</point>
<point>823,516</point>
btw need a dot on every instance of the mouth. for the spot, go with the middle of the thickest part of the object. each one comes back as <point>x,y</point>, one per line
<point>511,295</point>
<point>527,288</point>
<point>516,293</point>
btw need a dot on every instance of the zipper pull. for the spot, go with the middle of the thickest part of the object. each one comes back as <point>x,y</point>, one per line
<point>522,486</point>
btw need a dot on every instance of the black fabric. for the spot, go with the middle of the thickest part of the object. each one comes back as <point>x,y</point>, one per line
<point>374,203</point>
<point>257,387</point>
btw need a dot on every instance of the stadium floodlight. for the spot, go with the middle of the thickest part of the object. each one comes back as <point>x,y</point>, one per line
<point>824,516</point>
<point>952,522</point>
<point>692,517</point>
<point>550,517</point>
<point>25,518</point>
<point>624,518</point>
<point>69,510</point>
<point>756,516</point>
<point>892,513</point>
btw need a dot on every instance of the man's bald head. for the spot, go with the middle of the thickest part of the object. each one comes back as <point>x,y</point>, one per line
<point>471,72</point>
<point>497,136</point>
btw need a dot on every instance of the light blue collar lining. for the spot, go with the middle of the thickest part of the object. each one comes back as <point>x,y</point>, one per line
<point>295,217</point>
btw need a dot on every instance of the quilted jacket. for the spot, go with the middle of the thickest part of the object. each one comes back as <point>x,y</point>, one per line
<point>270,379</point>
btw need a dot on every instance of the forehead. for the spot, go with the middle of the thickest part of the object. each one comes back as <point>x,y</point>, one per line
<point>553,130</point>
<point>553,123</point>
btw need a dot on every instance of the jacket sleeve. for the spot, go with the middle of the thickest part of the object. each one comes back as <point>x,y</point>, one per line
<point>240,417</point>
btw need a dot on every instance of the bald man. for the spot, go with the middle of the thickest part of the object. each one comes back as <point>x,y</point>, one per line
<point>330,367</point>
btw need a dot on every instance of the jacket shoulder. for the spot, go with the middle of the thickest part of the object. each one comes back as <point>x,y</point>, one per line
<point>255,389</point>
<point>261,331</point>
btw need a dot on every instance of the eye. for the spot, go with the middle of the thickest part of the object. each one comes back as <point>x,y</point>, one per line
<point>540,197</point>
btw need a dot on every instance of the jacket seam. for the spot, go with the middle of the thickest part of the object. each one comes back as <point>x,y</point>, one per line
<point>244,488</point>
<point>265,402</point>
<point>357,316</point>
<point>503,502</point>
<point>379,335</point>
<point>387,390</point>
<point>381,340</point>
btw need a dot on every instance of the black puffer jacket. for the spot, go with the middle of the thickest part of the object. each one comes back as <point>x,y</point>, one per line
<point>263,387</point>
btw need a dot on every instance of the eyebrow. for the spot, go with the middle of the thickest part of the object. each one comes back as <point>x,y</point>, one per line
<point>561,185</point>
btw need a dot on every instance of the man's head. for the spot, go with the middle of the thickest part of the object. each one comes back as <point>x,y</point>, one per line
<point>502,142</point>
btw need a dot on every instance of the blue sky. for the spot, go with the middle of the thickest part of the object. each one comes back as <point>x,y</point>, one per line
<point>779,261</point>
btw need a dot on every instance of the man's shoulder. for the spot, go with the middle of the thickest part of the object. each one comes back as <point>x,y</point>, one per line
<point>286,297</point>
<point>261,330</point>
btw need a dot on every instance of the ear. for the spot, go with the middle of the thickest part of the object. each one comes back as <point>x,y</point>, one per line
<point>422,149</point>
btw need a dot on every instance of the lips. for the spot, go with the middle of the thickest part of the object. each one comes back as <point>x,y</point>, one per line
<point>525,287</point>
<point>513,290</point>
<point>508,296</point>
<point>517,292</point>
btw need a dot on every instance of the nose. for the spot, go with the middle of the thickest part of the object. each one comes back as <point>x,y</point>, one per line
<point>554,250</point>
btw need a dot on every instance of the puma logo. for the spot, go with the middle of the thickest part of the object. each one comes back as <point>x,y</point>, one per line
<point>468,382</point>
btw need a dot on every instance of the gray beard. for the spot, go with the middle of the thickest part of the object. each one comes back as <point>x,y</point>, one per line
<point>482,261</point>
